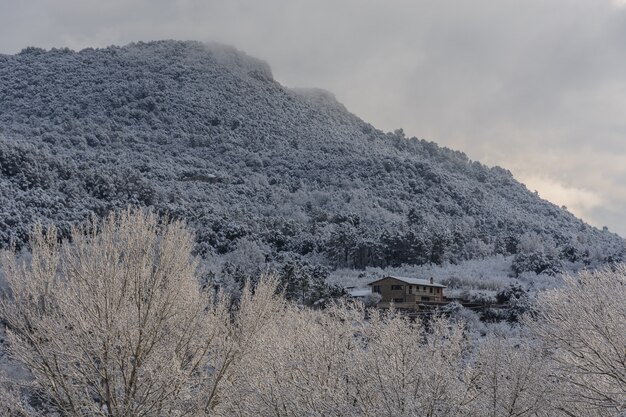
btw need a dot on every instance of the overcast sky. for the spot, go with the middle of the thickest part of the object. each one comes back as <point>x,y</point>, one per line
<point>535,86</point>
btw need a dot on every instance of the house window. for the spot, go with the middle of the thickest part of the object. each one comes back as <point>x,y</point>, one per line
<point>431,290</point>
<point>425,298</point>
<point>376,288</point>
<point>438,290</point>
<point>410,289</point>
<point>398,300</point>
<point>396,287</point>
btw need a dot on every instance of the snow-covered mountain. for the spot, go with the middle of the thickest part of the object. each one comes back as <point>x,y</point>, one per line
<point>204,133</point>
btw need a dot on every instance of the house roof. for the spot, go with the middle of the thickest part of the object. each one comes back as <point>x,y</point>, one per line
<point>411,281</point>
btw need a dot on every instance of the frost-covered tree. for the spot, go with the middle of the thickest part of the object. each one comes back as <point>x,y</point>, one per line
<point>114,322</point>
<point>408,369</point>
<point>583,324</point>
<point>344,362</point>
<point>117,322</point>
<point>512,379</point>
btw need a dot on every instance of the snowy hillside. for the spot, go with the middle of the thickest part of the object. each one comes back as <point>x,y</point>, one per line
<point>204,133</point>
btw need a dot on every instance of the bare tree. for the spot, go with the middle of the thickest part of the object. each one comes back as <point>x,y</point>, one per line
<point>408,369</point>
<point>114,323</point>
<point>301,365</point>
<point>584,325</point>
<point>512,378</point>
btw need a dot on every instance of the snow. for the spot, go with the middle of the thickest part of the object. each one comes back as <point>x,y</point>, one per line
<point>356,293</point>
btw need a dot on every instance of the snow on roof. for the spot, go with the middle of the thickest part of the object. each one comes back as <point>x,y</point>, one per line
<point>411,281</point>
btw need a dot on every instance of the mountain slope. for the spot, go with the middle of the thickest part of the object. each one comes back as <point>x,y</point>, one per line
<point>203,132</point>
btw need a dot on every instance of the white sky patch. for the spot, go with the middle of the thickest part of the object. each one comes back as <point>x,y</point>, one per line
<point>619,3</point>
<point>578,201</point>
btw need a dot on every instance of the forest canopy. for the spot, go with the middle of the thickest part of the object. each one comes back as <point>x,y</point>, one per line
<point>269,177</point>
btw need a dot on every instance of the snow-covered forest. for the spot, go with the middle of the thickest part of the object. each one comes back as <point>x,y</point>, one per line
<point>115,323</point>
<point>269,177</point>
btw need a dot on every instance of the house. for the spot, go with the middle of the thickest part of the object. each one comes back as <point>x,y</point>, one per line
<point>407,292</point>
